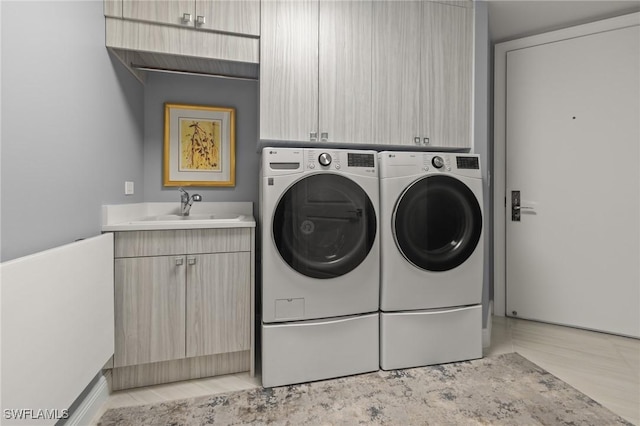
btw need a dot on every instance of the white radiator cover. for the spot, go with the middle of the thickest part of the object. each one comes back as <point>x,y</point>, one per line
<point>57,327</point>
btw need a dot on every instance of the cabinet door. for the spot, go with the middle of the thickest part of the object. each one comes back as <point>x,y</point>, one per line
<point>345,50</point>
<point>113,8</point>
<point>233,16</point>
<point>164,12</point>
<point>149,309</point>
<point>288,69</point>
<point>446,74</point>
<point>396,71</point>
<point>218,303</point>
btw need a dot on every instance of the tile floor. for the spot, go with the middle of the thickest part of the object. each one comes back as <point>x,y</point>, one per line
<point>603,366</point>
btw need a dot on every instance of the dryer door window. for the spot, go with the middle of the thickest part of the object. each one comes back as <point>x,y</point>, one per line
<point>324,226</point>
<point>437,223</point>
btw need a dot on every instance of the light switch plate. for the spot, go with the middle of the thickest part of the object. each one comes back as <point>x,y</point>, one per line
<point>128,188</point>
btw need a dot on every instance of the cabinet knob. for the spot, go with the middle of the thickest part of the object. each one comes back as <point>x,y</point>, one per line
<point>425,141</point>
<point>313,136</point>
<point>200,20</point>
<point>191,260</point>
<point>416,140</point>
<point>179,261</point>
<point>324,136</point>
<point>186,18</point>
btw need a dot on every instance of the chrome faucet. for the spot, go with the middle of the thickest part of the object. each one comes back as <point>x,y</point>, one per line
<point>186,201</point>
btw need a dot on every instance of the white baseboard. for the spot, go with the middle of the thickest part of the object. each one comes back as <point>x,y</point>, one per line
<point>91,404</point>
<point>486,332</point>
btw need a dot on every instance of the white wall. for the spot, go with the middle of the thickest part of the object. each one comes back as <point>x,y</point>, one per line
<point>71,125</point>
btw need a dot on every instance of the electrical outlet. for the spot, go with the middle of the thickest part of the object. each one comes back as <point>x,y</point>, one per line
<point>128,188</point>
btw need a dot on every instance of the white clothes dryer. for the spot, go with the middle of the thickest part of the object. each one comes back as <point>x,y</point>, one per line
<point>431,258</point>
<point>320,273</point>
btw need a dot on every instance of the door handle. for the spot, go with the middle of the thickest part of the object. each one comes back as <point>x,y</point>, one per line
<point>517,207</point>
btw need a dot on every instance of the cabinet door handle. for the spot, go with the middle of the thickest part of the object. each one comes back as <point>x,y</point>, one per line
<point>200,20</point>
<point>186,18</point>
<point>191,260</point>
<point>324,136</point>
<point>179,261</point>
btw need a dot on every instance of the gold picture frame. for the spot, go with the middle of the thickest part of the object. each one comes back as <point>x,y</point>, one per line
<point>199,145</point>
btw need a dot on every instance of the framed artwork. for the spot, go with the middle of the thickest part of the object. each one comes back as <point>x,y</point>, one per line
<point>199,145</point>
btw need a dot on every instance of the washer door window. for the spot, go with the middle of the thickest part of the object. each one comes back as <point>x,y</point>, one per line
<point>324,226</point>
<point>437,223</point>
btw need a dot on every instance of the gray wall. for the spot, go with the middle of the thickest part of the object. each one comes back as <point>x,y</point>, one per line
<point>71,125</point>
<point>198,90</point>
<point>482,144</point>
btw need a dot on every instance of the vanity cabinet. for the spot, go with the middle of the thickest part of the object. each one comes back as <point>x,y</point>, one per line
<point>183,301</point>
<point>315,71</point>
<point>384,72</point>
<point>233,16</point>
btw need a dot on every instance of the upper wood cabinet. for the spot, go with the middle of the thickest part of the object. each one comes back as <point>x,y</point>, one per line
<point>384,72</point>
<point>233,16</point>
<point>315,78</point>
<point>423,73</point>
<point>344,88</point>
<point>396,71</point>
<point>215,37</point>
<point>289,70</point>
<point>447,75</point>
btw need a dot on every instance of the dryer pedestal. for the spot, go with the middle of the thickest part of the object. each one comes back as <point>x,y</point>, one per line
<point>305,351</point>
<point>435,336</point>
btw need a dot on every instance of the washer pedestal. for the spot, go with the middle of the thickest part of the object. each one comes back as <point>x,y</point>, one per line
<point>435,336</point>
<point>305,351</point>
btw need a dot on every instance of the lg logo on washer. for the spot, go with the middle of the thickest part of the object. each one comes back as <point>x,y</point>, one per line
<point>307,227</point>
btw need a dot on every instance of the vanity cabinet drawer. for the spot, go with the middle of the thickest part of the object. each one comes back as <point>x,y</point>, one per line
<point>221,240</point>
<point>172,242</point>
<point>150,243</point>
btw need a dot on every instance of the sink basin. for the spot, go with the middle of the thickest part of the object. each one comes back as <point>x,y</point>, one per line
<point>194,217</point>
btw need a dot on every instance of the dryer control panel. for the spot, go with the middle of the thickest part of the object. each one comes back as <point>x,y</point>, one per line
<point>400,163</point>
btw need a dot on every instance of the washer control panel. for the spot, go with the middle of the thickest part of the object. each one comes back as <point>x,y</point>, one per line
<point>324,159</point>
<point>358,162</point>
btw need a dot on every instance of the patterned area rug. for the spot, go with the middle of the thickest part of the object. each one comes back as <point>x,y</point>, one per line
<point>502,390</point>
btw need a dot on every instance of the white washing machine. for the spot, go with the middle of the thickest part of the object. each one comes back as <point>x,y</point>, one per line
<point>431,258</point>
<point>320,271</point>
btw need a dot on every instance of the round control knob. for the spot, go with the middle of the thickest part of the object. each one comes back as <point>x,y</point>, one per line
<point>324,159</point>
<point>437,162</point>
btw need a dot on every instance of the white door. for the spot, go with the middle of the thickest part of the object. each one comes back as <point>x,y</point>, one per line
<point>572,142</point>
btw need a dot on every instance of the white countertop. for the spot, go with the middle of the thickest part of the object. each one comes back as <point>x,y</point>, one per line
<point>162,216</point>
